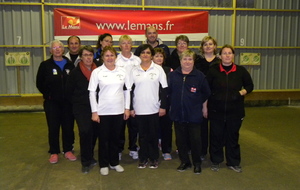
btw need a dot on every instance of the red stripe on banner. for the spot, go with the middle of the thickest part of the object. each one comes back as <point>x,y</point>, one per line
<point>85,22</point>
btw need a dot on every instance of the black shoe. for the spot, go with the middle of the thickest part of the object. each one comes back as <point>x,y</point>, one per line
<point>93,163</point>
<point>143,164</point>
<point>197,169</point>
<point>184,166</point>
<point>85,169</point>
<point>153,164</point>
<point>215,167</point>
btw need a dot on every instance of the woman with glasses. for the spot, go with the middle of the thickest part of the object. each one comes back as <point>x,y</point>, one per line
<point>182,44</point>
<point>51,81</point>
<point>229,83</point>
<point>77,90</point>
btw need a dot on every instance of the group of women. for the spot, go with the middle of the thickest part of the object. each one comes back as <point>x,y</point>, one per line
<point>154,91</point>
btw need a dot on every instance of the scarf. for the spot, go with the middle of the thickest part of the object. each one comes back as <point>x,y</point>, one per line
<point>86,72</point>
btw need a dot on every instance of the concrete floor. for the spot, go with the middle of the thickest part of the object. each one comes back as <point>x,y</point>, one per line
<point>269,141</point>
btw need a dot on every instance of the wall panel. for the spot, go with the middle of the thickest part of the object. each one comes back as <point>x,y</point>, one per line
<point>268,28</point>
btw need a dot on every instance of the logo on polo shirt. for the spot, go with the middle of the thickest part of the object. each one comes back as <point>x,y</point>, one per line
<point>152,75</point>
<point>120,76</point>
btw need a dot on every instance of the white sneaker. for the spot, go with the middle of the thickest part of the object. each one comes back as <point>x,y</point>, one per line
<point>134,155</point>
<point>104,171</point>
<point>118,168</point>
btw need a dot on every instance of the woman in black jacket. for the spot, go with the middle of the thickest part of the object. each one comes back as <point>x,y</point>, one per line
<point>229,84</point>
<point>77,91</point>
<point>188,94</point>
<point>50,80</point>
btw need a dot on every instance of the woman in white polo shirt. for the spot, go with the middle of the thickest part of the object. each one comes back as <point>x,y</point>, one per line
<point>148,104</point>
<point>110,109</point>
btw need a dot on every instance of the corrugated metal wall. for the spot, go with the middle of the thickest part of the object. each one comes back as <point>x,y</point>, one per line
<point>270,33</point>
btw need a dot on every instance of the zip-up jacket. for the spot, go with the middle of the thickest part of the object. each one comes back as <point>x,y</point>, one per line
<point>225,101</point>
<point>187,94</point>
<point>51,80</point>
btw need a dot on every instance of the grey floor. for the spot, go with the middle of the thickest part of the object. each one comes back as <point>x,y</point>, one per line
<point>269,139</point>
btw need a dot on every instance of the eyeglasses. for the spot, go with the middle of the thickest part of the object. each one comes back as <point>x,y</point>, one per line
<point>182,43</point>
<point>228,53</point>
<point>87,55</point>
<point>56,47</point>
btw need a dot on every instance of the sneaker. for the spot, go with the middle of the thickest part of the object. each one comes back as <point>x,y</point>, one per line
<point>167,156</point>
<point>215,167</point>
<point>184,166</point>
<point>235,168</point>
<point>53,158</point>
<point>154,164</point>
<point>118,168</point>
<point>70,156</point>
<point>85,169</point>
<point>197,169</point>
<point>142,165</point>
<point>104,171</point>
<point>134,154</point>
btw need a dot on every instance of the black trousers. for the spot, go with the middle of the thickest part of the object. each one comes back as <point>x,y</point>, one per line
<point>148,136</point>
<point>132,134</point>
<point>188,137</point>
<point>204,136</point>
<point>225,133</point>
<point>59,115</point>
<point>165,128</point>
<point>109,138</point>
<point>88,132</point>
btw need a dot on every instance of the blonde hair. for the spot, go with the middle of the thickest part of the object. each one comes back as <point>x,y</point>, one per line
<point>188,53</point>
<point>206,39</point>
<point>124,37</point>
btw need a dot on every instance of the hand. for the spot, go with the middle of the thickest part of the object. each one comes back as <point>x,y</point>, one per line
<point>161,112</point>
<point>132,113</point>
<point>243,92</point>
<point>126,114</point>
<point>95,117</point>
<point>204,111</point>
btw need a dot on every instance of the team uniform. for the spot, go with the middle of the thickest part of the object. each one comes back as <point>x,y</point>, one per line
<point>113,99</point>
<point>146,104</point>
<point>128,64</point>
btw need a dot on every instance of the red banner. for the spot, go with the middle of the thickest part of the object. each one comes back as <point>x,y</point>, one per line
<point>89,24</point>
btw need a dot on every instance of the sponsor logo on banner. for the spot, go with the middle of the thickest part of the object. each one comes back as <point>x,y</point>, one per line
<point>70,22</point>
